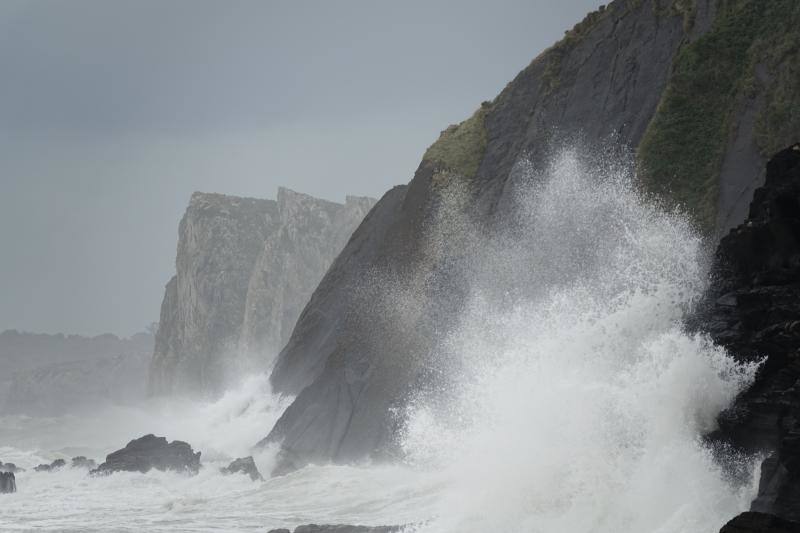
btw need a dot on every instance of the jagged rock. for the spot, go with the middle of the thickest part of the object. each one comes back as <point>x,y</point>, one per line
<point>55,465</point>
<point>83,462</point>
<point>151,452</point>
<point>753,309</point>
<point>244,465</point>
<point>751,522</point>
<point>10,467</point>
<point>349,365</point>
<point>8,483</point>
<point>339,528</point>
<point>245,268</point>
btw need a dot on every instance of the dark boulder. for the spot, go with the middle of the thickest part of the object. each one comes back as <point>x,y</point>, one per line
<point>8,483</point>
<point>149,452</point>
<point>83,462</point>
<point>52,467</point>
<point>752,522</point>
<point>244,465</point>
<point>753,309</point>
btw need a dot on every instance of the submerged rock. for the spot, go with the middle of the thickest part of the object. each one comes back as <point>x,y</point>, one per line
<point>83,462</point>
<point>55,465</point>
<point>751,522</point>
<point>339,528</point>
<point>151,452</point>
<point>244,465</point>
<point>8,483</point>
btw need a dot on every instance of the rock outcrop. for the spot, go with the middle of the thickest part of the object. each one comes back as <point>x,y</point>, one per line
<point>151,452</point>
<point>8,483</point>
<point>58,464</point>
<point>626,73</point>
<point>753,309</point>
<point>244,465</point>
<point>83,462</point>
<point>245,268</point>
<point>10,467</point>
<point>751,522</point>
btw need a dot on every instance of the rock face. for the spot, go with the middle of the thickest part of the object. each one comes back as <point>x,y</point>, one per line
<point>8,483</point>
<point>751,522</point>
<point>245,268</point>
<point>244,465</point>
<point>149,452</point>
<point>626,73</point>
<point>753,309</point>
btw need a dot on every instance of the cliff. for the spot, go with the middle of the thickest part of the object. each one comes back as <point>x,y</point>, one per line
<point>245,267</point>
<point>753,309</point>
<point>700,91</point>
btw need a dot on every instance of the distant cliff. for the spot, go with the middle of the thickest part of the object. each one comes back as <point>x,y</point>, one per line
<point>44,374</point>
<point>245,268</point>
<point>699,90</point>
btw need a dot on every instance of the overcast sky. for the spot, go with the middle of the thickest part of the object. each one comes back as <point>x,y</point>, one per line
<point>112,113</point>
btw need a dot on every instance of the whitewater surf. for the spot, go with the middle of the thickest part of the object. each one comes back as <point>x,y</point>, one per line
<point>571,400</point>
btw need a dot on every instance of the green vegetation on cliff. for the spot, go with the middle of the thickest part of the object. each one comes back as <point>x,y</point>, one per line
<point>681,153</point>
<point>778,51</point>
<point>460,147</point>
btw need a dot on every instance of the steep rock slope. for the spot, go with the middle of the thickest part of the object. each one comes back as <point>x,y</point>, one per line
<point>753,309</point>
<point>623,76</point>
<point>245,267</point>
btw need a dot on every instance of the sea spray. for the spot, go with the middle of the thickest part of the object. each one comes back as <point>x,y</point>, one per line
<point>564,396</point>
<point>573,400</point>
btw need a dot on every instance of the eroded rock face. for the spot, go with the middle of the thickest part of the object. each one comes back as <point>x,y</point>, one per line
<point>753,309</point>
<point>244,465</point>
<point>151,452</point>
<point>8,483</point>
<point>245,268</point>
<point>751,522</point>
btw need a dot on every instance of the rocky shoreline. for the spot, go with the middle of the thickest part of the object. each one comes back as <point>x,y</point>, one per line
<point>752,308</point>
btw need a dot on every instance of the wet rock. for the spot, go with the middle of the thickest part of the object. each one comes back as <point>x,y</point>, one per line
<point>339,528</point>
<point>8,483</point>
<point>55,465</point>
<point>10,467</point>
<point>151,452</point>
<point>244,465</point>
<point>753,309</point>
<point>752,522</point>
<point>83,462</point>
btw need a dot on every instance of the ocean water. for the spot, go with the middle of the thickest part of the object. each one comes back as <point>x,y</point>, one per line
<point>571,398</point>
